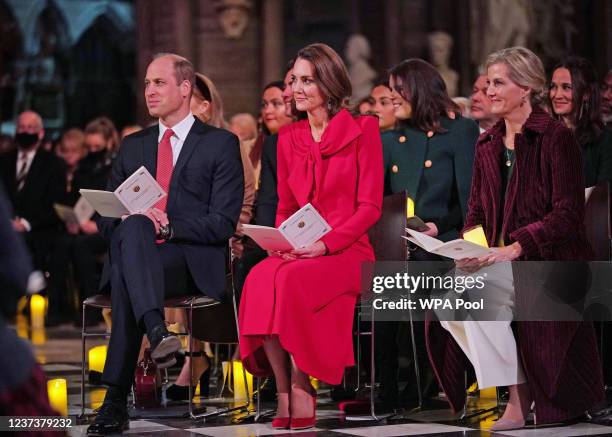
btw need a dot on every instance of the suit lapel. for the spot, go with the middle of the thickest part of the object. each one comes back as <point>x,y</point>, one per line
<point>149,151</point>
<point>35,167</point>
<point>188,147</point>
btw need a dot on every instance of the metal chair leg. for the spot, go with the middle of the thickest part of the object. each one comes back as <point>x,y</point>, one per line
<point>480,411</point>
<point>83,335</point>
<point>243,407</point>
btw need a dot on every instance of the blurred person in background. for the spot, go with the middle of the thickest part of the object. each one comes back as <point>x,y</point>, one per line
<point>272,108</point>
<point>6,144</point>
<point>130,129</point>
<point>464,105</point>
<point>71,149</point>
<point>34,179</point>
<point>244,126</point>
<point>82,246</point>
<point>383,106</point>
<point>606,98</point>
<point>480,108</point>
<point>574,98</point>
<point>365,106</point>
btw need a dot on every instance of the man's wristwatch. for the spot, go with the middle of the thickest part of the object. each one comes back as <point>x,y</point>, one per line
<point>165,232</point>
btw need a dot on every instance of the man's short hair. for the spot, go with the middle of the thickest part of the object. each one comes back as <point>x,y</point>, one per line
<point>183,68</point>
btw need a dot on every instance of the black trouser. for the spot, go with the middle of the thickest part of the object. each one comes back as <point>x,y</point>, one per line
<point>387,353</point>
<point>81,251</point>
<point>143,274</point>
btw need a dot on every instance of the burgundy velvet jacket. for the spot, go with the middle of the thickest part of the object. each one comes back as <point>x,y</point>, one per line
<point>544,212</point>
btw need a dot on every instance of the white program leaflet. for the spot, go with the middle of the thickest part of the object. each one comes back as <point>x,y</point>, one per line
<point>455,249</point>
<point>138,192</point>
<point>81,212</point>
<point>304,227</point>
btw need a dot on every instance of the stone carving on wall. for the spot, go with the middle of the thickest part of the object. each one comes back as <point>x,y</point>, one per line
<point>497,24</point>
<point>440,49</point>
<point>233,16</point>
<point>545,26</point>
<point>362,75</point>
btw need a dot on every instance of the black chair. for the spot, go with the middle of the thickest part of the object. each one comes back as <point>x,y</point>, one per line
<point>101,301</point>
<point>385,237</point>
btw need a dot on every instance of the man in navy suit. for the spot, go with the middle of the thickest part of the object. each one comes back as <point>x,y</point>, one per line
<point>178,246</point>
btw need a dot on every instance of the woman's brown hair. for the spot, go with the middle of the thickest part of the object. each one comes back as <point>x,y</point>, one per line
<point>330,74</point>
<point>586,99</point>
<point>425,90</point>
<point>206,90</point>
<point>105,127</point>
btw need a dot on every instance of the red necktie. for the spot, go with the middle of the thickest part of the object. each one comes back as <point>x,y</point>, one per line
<point>164,167</point>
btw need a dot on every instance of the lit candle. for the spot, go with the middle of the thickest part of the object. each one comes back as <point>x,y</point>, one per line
<point>39,336</point>
<point>58,395</point>
<point>314,382</point>
<point>96,397</point>
<point>409,207</point>
<point>476,235</point>
<point>239,388</point>
<point>97,358</point>
<point>37,311</point>
<point>21,325</point>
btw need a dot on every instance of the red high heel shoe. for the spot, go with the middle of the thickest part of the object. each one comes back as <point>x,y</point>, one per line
<point>305,422</point>
<point>281,422</point>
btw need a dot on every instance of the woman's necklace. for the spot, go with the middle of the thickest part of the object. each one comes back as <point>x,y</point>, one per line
<point>509,157</point>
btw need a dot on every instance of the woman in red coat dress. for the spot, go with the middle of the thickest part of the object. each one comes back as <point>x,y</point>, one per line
<point>527,193</point>
<point>296,310</point>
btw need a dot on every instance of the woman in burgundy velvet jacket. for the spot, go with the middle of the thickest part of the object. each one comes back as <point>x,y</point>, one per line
<point>528,166</point>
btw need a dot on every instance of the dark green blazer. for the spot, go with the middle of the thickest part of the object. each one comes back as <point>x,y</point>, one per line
<point>435,170</point>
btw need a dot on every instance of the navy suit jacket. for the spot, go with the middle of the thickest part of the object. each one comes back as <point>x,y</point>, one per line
<point>204,199</point>
<point>267,197</point>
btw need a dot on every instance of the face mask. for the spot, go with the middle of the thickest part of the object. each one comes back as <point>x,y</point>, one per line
<point>25,140</point>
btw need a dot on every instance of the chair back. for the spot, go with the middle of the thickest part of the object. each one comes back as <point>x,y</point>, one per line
<point>217,324</point>
<point>385,235</point>
<point>597,221</point>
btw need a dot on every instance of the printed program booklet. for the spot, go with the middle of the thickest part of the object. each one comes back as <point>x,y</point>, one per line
<point>304,227</point>
<point>455,249</point>
<point>138,192</point>
<point>81,212</point>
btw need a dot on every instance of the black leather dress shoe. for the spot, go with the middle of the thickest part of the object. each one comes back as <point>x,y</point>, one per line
<point>164,346</point>
<point>111,419</point>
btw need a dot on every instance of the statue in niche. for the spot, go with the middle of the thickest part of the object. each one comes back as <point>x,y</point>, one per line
<point>362,75</point>
<point>233,16</point>
<point>440,46</point>
<point>498,24</point>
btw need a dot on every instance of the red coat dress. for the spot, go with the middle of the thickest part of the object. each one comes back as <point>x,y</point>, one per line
<point>309,303</point>
<point>544,212</point>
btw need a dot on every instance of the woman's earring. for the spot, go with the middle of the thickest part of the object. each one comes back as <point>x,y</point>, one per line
<point>329,105</point>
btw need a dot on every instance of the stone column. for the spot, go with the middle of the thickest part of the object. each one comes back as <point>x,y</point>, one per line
<point>392,32</point>
<point>272,61</point>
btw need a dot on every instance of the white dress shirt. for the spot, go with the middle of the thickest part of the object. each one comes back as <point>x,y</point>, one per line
<point>28,156</point>
<point>181,129</point>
